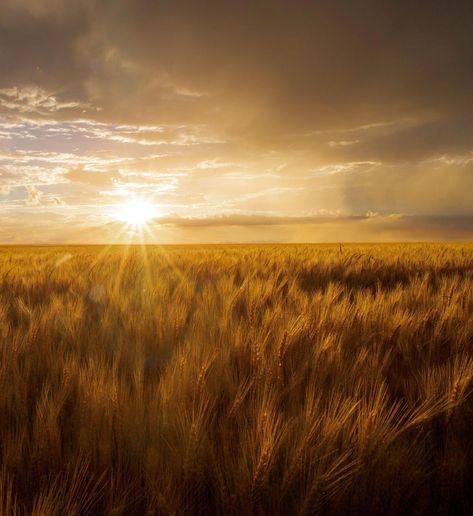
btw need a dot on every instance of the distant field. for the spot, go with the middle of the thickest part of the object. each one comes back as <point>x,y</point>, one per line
<point>236,380</point>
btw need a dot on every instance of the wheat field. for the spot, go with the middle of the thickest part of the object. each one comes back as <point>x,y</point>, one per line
<point>268,380</point>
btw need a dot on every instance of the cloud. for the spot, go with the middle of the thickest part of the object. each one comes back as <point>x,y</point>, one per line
<point>50,227</point>
<point>94,178</point>
<point>5,190</point>
<point>248,220</point>
<point>342,143</point>
<point>317,228</point>
<point>345,168</point>
<point>56,201</point>
<point>424,188</point>
<point>34,195</point>
<point>318,64</point>
<point>414,141</point>
<point>264,107</point>
<point>25,157</point>
<point>32,100</point>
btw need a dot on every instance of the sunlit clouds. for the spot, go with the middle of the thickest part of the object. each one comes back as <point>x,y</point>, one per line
<point>267,113</point>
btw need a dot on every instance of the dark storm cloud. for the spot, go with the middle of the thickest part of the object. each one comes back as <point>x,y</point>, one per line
<point>39,45</point>
<point>305,65</point>
<point>268,64</point>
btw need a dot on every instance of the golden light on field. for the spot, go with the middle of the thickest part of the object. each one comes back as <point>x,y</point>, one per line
<point>136,212</point>
<point>236,257</point>
<point>365,347</point>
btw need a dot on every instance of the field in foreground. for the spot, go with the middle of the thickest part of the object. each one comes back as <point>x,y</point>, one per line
<point>236,380</point>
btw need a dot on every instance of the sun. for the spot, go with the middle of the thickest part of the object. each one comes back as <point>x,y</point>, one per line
<point>136,212</point>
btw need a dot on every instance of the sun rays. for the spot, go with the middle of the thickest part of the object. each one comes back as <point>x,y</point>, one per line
<point>136,212</point>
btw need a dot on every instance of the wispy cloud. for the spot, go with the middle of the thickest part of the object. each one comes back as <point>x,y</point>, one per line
<point>342,143</point>
<point>28,100</point>
<point>233,219</point>
<point>34,195</point>
<point>5,190</point>
<point>343,168</point>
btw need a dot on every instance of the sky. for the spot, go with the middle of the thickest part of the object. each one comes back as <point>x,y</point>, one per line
<point>237,121</point>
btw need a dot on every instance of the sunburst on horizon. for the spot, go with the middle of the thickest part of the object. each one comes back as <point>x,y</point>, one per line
<point>137,212</point>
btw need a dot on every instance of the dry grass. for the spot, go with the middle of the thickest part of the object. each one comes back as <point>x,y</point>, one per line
<point>236,380</point>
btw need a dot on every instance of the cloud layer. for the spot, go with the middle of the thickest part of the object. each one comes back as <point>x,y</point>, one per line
<point>231,111</point>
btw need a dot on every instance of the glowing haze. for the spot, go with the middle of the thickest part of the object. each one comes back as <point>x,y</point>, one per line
<point>215,121</point>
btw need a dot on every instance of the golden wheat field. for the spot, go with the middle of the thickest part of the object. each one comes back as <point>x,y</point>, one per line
<point>264,380</point>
